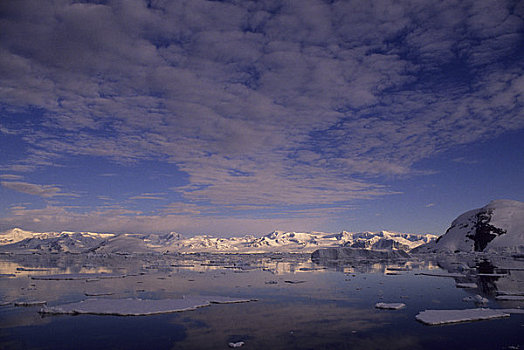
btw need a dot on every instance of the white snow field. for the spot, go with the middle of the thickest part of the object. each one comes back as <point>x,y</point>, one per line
<point>138,307</point>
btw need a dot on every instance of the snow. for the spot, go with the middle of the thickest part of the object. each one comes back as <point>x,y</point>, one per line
<point>495,228</point>
<point>138,307</point>
<point>19,241</point>
<point>466,285</point>
<point>390,306</point>
<point>438,317</point>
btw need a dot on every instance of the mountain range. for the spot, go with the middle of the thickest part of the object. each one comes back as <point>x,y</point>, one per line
<point>495,228</point>
<point>17,241</point>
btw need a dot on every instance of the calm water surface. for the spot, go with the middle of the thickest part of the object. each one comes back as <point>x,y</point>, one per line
<point>300,304</point>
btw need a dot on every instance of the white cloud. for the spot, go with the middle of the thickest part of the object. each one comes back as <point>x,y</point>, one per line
<point>10,177</point>
<point>306,102</point>
<point>45,191</point>
<point>55,218</point>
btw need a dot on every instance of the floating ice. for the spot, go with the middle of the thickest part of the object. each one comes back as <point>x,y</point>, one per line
<point>513,311</point>
<point>77,276</point>
<point>510,297</point>
<point>466,285</point>
<point>437,317</point>
<point>509,292</point>
<point>390,306</point>
<point>236,345</point>
<point>478,299</point>
<point>138,307</point>
<point>29,303</point>
<point>441,274</point>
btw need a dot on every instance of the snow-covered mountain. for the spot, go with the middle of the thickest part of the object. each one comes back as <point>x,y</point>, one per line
<point>495,228</point>
<point>51,242</point>
<point>17,240</point>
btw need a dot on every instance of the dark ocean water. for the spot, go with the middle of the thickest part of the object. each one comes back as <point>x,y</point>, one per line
<point>300,304</point>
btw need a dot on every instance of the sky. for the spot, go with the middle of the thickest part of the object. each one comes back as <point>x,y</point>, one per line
<point>236,117</point>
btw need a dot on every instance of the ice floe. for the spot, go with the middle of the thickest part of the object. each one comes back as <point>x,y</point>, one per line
<point>30,303</point>
<point>477,299</point>
<point>138,307</point>
<point>508,292</point>
<point>236,345</point>
<point>390,306</point>
<point>510,297</point>
<point>438,317</point>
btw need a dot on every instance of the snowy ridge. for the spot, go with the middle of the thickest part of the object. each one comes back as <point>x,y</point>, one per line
<point>495,228</point>
<point>17,241</point>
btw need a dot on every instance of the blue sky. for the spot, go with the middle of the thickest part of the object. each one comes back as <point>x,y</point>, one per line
<point>233,117</point>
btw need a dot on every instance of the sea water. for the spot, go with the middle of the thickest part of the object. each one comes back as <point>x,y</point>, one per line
<point>296,303</point>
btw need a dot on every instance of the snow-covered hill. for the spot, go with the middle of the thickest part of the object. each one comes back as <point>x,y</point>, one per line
<point>18,241</point>
<point>495,228</point>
